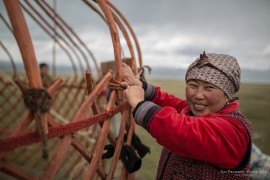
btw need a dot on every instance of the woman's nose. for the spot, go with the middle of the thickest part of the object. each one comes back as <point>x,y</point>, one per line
<point>199,94</point>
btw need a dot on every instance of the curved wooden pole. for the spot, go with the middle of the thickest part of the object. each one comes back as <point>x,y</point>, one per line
<point>130,47</point>
<point>89,4</point>
<point>25,44</point>
<point>24,41</point>
<point>10,58</point>
<point>5,49</point>
<point>115,38</point>
<point>50,33</point>
<point>53,15</point>
<point>76,36</point>
<point>65,32</point>
<point>6,23</point>
<point>55,163</point>
<point>122,28</point>
<point>131,31</point>
<point>54,43</point>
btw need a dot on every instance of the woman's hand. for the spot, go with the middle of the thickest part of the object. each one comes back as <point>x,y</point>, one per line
<point>134,95</point>
<point>129,77</point>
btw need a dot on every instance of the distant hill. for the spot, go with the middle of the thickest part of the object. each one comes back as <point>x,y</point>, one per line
<point>252,76</point>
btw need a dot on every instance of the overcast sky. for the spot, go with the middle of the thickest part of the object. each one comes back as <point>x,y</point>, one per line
<point>171,33</point>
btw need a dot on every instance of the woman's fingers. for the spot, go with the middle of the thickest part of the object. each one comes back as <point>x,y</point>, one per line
<point>129,77</point>
<point>134,94</point>
<point>124,85</point>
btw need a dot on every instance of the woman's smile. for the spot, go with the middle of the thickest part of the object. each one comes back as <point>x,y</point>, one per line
<point>199,107</point>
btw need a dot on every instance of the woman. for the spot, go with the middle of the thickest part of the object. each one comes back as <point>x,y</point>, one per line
<point>204,136</point>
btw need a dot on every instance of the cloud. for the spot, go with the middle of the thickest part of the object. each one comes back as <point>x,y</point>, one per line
<point>171,33</point>
<point>176,48</point>
<point>174,33</point>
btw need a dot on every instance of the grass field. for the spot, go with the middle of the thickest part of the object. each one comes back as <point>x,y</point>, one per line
<point>254,104</point>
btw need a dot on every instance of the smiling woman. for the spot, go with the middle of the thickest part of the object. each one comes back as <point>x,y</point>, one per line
<point>211,82</point>
<point>204,136</point>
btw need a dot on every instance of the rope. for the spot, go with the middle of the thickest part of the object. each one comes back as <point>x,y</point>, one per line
<point>116,85</point>
<point>113,84</point>
<point>58,131</point>
<point>141,74</point>
<point>64,120</point>
<point>38,101</point>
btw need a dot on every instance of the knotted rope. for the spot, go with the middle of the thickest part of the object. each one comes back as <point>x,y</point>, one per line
<point>38,101</point>
<point>115,85</point>
<point>141,74</point>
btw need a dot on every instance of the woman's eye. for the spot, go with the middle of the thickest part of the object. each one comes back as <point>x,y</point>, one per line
<point>192,85</point>
<point>209,87</point>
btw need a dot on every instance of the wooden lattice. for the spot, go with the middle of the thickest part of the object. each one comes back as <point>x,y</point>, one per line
<point>76,127</point>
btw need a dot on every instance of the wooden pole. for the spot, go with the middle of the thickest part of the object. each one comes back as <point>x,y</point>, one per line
<point>115,38</point>
<point>54,164</point>
<point>46,29</point>
<point>24,41</point>
<point>131,31</point>
<point>54,43</point>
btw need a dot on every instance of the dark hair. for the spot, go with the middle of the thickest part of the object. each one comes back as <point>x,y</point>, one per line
<point>41,65</point>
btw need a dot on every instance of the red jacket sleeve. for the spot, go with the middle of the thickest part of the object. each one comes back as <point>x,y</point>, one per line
<point>161,98</point>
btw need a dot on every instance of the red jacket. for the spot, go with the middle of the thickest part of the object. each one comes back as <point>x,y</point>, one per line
<point>216,138</point>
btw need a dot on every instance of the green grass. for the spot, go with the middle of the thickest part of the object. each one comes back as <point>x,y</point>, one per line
<point>254,104</point>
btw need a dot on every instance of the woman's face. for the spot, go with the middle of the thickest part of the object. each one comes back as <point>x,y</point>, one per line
<point>204,98</point>
<point>44,70</point>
